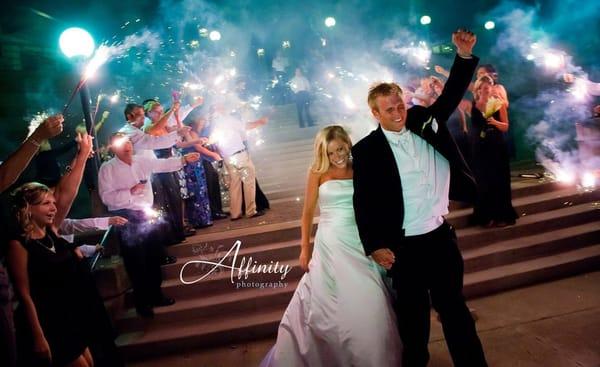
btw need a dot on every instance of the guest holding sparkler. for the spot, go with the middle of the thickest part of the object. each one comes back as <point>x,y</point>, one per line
<point>134,114</point>
<point>490,158</point>
<point>197,205</point>
<point>229,136</point>
<point>166,185</point>
<point>55,293</point>
<point>10,170</point>
<point>201,126</point>
<point>125,190</point>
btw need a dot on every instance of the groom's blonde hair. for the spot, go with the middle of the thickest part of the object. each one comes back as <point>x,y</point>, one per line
<point>326,135</point>
<point>382,89</point>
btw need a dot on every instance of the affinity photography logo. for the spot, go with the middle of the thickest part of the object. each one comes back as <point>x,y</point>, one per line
<point>241,268</point>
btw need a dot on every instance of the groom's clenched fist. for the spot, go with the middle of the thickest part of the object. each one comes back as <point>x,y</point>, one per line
<point>384,257</point>
<point>464,41</point>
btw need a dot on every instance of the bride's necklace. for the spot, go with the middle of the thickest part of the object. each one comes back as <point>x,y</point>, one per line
<point>49,248</point>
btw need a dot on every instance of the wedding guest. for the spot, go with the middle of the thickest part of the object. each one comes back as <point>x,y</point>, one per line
<point>10,170</point>
<point>54,293</point>
<point>490,158</point>
<point>126,191</point>
<point>210,156</point>
<point>301,87</point>
<point>232,133</point>
<point>144,143</point>
<point>167,189</point>
<point>197,206</point>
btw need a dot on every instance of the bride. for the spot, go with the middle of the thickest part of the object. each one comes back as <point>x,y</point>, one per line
<point>341,313</point>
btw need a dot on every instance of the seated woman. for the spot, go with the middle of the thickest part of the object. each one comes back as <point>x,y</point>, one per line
<point>55,294</point>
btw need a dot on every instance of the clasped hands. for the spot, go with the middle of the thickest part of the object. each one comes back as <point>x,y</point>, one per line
<point>384,257</point>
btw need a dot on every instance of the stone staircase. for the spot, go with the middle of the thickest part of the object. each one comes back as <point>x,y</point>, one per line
<point>558,234</point>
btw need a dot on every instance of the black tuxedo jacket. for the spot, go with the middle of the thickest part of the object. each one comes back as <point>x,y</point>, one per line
<point>378,202</point>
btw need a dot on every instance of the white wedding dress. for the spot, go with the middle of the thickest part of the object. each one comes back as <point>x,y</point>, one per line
<point>341,313</point>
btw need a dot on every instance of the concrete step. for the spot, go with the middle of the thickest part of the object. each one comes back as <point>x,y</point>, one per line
<point>527,205</point>
<point>190,335</point>
<point>530,247</point>
<point>532,271</point>
<point>472,237</point>
<point>203,309</point>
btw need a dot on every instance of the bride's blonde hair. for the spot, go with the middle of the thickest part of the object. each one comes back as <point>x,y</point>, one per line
<point>326,135</point>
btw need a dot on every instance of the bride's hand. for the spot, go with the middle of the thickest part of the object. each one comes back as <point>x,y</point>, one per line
<point>305,257</point>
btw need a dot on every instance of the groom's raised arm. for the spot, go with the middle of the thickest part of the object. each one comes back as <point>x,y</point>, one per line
<point>460,76</point>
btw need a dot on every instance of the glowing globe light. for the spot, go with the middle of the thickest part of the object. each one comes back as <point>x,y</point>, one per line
<point>76,42</point>
<point>114,98</point>
<point>530,57</point>
<point>214,36</point>
<point>329,22</point>
<point>260,52</point>
<point>425,19</point>
<point>489,25</point>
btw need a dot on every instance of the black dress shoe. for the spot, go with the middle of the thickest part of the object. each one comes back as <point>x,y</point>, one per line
<point>164,301</point>
<point>168,260</point>
<point>200,226</point>
<point>219,215</point>
<point>145,311</point>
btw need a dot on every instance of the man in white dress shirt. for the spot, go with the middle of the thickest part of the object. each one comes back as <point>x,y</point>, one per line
<point>229,134</point>
<point>404,173</point>
<point>301,87</point>
<point>134,114</point>
<point>125,189</point>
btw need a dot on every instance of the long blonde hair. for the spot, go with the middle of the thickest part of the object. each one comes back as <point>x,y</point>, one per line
<point>32,193</point>
<point>326,135</point>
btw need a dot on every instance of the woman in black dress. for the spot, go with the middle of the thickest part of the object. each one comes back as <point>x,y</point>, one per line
<point>489,157</point>
<point>58,305</point>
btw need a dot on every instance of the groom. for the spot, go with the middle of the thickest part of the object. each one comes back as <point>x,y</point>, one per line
<point>404,173</point>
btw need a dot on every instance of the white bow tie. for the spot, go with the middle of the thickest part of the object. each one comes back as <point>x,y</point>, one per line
<point>401,136</point>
